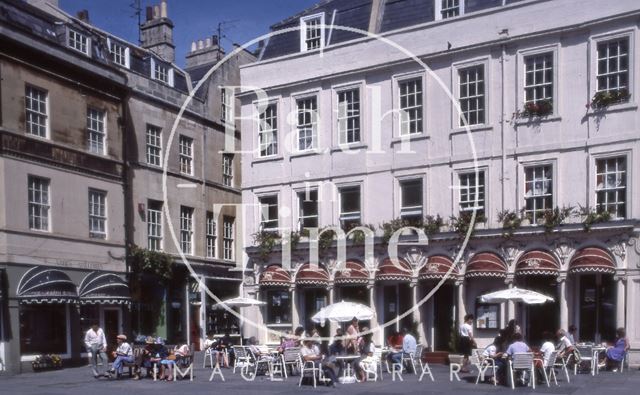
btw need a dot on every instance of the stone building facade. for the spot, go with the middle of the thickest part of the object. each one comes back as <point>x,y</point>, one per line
<point>381,110</point>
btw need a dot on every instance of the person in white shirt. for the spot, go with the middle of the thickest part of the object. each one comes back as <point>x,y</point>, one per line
<point>124,353</point>
<point>96,345</point>
<point>565,347</point>
<point>547,348</point>
<point>466,340</point>
<point>309,353</point>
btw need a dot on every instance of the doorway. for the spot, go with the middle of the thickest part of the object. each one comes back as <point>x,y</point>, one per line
<point>597,308</point>
<point>443,317</point>
<point>540,318</point>
<point>112,325</point>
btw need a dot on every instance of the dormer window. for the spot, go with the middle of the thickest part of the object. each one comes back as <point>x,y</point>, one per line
<point>312,32</point>
<point>161,72</point>
<point>449,8</point>
<point>78,41</point>
<point>119,53</point>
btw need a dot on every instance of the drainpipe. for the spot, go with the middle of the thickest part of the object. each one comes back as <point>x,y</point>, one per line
<point>502,126</point>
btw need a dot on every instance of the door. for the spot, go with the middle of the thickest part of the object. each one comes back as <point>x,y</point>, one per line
<point>111,325</point>
<point>597,308</point>
<point>443,315</point>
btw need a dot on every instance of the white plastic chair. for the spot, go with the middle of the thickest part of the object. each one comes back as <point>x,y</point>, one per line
<point>562,363</point>
<point>483,364</point>
<point>523,362</point>
<point>208,353</point>
<point>585,356</point>
<point>310,367</point>
<point>548,368</point>
<point>242,359</point>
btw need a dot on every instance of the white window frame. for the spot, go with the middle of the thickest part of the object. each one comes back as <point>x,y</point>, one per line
<point>343,117</point>
<point>155,226</point>
<point>271,144</point>
<point>351,215</point>
<point>153,145</point>
<point>169,74</point>
<point>593,49</point>
<point>98,213</point>
<point>422,106</point>
<point>302,194</point>
<point>185,155</point>
<point>227,170</point>
<point>228,238</point>
<point>187,231</point>
<point>627,202</point>
<point>40,206</point>
<point>74,37</point>
<point>227,106</point>
<point>438,9</point>
<point>303,31</point>
<point>211,235</point>
<point>455,83</point>
<point>411,211</point>
<point>96,138</point>
<point>553,195</point>
<point>115,47</point>
<point>554,50</point>
<point>31,111</point>
<point>313,125</point>
<point>482,204</point>
<point>266,222</point>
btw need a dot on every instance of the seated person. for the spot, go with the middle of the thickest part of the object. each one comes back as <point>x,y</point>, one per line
<point>217,354</point>
<point>542,357</point>
<point>518,346</point>
<point>366,360</point>
<point>492,352</point>
<point>258,353</point>
<point>309,354</point>
<point>337,347</point>
<point>565,347</point>
<point>615,355</point>
<point>143,360</point>
<point>178,355</point>
<point>124,353</point>
<point>286,342</point>
<point>395,341</point>
<point>409,345</point>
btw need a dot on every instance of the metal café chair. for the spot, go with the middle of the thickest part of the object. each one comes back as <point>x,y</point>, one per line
<point>483,364</point>
<point>548,368</point>
<point>522,362</point>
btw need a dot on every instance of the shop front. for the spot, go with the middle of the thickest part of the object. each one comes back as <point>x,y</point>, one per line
<point>538,270</point>
<point>276,291</point>
<point>439,311</point>
<point>394,296</point>
<point>312,282</point>
<point>592,272</point>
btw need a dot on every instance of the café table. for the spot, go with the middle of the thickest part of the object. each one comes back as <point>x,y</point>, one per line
<point>597,349</point>
<point>348,375</point>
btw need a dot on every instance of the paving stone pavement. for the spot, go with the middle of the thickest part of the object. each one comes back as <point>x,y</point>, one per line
<point>72,381</point>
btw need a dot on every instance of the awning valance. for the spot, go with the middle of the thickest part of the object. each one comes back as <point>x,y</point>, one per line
<point>104,288</point>
<point>592,260</point>
<point>312,275</point>
<point>437,267</point>
<point>42,284</point>
<point>537,262</point>
<point>390,271</point>
<point>486,264</point>
<point>354,272</point>
<point>274,276</point>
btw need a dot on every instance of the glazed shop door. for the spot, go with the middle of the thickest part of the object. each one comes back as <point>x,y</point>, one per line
<point>112,324</point>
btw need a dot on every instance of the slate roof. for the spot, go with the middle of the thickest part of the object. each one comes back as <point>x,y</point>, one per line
<point>396,14</point>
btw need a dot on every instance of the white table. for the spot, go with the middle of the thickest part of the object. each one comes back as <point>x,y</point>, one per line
<point>348,375</point>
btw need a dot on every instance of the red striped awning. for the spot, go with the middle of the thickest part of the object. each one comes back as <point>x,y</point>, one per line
<point>437,267</point>
<point>312,275</point>
<point>275,276</point>
<point>592,260</point>
<point>354,272</point>
<point>537,262</point>
<point>486,264</point>
<point>390,271</point>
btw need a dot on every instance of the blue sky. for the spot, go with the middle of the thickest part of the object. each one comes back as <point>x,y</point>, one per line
<point>193,19</point>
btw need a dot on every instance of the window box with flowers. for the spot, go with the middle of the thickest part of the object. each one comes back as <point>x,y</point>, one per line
<point>603,99</point>
<point>536,109</point>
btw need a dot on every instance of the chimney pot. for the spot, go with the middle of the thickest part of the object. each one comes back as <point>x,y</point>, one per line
<point>200,44</point>
<point>207,42</point>
<point>149,13</point>
<point>163,9</point>
<point>156,11</point>
<point>83,15</point>
<point>193,46</point>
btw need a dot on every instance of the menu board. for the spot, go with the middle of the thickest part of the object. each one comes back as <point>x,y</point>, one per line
<point>487,316</point>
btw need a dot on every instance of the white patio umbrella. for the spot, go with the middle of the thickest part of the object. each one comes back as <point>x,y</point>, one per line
<point>240,302</point>
<point>516,294</point>
<point>343,312</point>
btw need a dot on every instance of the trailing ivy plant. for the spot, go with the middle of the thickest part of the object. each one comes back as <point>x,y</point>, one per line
<point>391,227</point>
<point>592,216</point>
<point>552,218</point>
<point>462,222</point>
<point>511,220</point>
<point>432,225</point>
<point>604,99</point>
<point>266,241</point>
<point>358,237</point>
<point>142,260</point>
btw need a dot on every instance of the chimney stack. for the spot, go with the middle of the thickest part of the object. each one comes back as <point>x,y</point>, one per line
<point>204,52</point>
<point>83,15</point>
<point>157,32</point>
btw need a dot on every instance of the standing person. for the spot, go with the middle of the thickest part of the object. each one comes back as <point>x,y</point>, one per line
<point>352,337</point>
<point>124,353</point>
<point>96,345</point>
<point>466,340</point>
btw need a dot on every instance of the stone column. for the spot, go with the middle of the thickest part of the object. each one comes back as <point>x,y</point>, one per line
<point>203,312</point>
<point>332,325</point>
<point>621,307</point>
<point>511,306</point>
<point>374,321</point>
<point>295,319</point>
<point>564,303</point>
<point>462,308</point>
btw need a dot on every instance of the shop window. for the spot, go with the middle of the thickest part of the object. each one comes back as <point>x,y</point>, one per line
<point>279,311</point>
<point>43,329</point>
